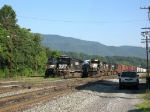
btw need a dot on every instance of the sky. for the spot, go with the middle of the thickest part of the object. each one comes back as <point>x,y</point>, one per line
<point>109,22</point>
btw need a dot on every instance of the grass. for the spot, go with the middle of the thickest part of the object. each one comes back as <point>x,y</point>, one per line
<point>29,79</point>
<point>36,79</point>
<point>145,105</point>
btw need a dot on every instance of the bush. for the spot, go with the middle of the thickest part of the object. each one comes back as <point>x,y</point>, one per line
<point>4,73</point>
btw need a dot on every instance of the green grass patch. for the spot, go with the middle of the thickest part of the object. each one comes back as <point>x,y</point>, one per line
<point>36,79</point>
<point>29,79</point>
<point>145,105</point>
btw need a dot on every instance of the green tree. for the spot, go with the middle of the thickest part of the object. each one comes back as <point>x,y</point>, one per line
<point>8,17</point>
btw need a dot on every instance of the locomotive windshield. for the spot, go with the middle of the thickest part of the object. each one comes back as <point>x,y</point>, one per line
<point>63,60</point>
<point>94,61</point>
<point>52,61</point>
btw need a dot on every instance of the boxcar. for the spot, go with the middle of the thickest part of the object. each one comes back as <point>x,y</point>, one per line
<point>121,68</point>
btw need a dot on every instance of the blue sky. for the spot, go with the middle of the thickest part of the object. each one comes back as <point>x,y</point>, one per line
<point>109,22</point>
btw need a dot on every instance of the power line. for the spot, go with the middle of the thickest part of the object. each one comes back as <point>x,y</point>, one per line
<point>71,21</point>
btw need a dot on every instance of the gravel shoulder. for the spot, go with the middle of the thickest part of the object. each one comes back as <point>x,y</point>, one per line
<point>102,97</point>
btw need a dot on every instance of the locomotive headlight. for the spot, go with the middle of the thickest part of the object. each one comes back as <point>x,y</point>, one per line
<point>95,65</point>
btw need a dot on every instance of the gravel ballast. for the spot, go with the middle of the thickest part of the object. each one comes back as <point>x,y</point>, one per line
<point>103,97</point>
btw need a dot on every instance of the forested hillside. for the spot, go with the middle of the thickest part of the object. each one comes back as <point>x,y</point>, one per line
<point>70,44</point>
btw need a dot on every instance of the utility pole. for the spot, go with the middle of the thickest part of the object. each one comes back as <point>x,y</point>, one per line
<point>146,34</point>
<point>148,12</point>
<point>10,46</point>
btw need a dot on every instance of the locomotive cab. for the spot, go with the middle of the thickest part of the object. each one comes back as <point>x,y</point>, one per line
<point>51,67</point>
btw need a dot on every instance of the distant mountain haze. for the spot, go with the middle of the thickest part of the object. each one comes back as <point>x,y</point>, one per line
<point>67,44</point>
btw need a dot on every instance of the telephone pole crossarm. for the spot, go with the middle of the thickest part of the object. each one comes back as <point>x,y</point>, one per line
<point>145,8</point>
<point>146,28</point>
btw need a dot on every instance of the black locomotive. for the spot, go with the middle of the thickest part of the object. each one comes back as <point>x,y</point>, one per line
<point>66,67</point>
<point>51,69</point>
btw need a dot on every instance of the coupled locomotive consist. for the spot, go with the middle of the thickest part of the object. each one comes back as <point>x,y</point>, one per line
<point>66,67</point>
<point>97,67</point>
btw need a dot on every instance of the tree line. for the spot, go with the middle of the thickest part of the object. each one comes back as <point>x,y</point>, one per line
<point>22,52</point>
<point>20,48</point>
<point>134,61</point>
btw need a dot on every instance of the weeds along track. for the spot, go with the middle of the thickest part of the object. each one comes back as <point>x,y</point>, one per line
<point>22,87</point>
<point>25,86</point>
<point>21,101</point>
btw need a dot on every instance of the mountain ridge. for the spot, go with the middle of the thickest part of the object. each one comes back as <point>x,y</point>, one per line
<point>61,43</point>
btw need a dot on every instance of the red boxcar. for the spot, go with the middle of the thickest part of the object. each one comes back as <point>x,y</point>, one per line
<point>134,68</point>
<point>121,68</point>
<point>129,68</point>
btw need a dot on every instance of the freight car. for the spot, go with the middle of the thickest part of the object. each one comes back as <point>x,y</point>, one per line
<point>141,70</point>
<point>121,68</point>
<point>69,67</point>
<point>51,67</point>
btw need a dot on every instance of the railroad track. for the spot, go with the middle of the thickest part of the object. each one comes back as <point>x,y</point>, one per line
<point>19,102</point>
<point>25,86</point>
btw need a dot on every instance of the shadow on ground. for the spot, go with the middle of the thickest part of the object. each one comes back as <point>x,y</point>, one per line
<point>106,86</point>
<point>113,87</point>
